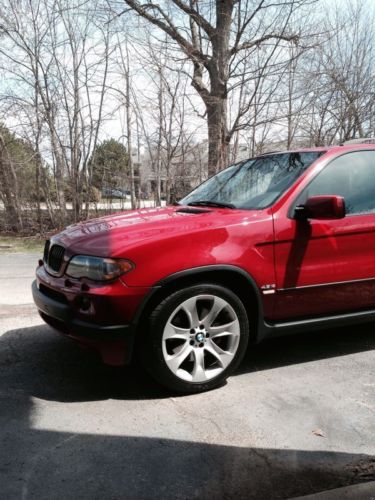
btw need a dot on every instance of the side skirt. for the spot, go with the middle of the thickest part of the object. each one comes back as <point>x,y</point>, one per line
<point>270,330</point>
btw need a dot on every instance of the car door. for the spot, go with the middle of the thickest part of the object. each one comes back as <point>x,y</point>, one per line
<point>325,267</point>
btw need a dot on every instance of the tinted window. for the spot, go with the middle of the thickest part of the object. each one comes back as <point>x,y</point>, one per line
<point>255,183</point>
<point>351,176</point>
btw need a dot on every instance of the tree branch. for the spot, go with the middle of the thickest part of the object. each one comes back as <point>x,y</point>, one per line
<point>259,41</point>
<point>168,27</point>
<point>197,82</point>
<point>198,18</point>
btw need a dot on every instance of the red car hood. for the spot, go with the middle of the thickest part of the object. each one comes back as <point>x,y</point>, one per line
<point>113,235</point>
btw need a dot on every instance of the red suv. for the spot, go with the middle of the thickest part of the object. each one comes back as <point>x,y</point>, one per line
<point>277,244</point>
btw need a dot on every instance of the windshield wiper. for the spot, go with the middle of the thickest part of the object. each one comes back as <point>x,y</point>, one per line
<point>209,203</point>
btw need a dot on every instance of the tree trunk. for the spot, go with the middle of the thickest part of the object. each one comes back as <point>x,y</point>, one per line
<point>129,134</point>
<point>168,182</point>
<point>59,177</point>
<point>217,145</point>
<point>217,135</point>
<point>158,160</point>
<point>38,193</point>
<point>216,103</point>
<point>47,195</point>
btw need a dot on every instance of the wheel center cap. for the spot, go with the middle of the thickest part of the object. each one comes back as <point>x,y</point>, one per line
<point>199,337</point>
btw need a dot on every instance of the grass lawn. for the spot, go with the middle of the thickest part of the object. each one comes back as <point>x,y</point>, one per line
<point>11,244</point>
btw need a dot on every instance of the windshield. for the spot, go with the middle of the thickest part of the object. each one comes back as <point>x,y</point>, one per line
<point>252,184</point>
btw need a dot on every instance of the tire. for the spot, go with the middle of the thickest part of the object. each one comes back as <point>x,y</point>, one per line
<point>196,338</point>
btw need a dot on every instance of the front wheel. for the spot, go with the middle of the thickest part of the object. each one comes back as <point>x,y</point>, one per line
<point>196,337</point>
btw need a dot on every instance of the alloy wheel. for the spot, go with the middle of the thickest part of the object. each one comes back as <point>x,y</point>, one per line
<point>201,338</point>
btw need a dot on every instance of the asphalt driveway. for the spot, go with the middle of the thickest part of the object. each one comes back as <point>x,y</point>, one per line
<point>297,418</point>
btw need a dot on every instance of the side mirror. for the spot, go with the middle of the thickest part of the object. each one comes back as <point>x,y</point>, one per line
<point>321,207</point>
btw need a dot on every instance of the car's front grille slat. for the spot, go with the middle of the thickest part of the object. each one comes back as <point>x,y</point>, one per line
<point>53,257</point>
<point>46,250</point>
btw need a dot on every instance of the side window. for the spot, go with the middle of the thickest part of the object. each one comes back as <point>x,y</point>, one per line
<point>351,176</point>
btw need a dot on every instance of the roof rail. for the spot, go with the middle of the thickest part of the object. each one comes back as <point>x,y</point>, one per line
<point>361,140</point>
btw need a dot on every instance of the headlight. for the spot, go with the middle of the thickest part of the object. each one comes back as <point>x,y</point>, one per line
<point>97,268</point>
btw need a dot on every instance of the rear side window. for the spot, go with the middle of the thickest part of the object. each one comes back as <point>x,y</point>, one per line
<point>351,176</point>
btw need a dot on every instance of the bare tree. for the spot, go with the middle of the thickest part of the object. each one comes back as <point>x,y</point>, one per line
<point>341,77</point>
<point>59,75</point>
<point>160,104</point>
<point>25,32</point>
<point>125,66</point>
<point>214,35</point>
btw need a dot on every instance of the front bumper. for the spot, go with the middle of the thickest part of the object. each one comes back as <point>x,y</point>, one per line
<point>64,314</point>
<point>113,342</point>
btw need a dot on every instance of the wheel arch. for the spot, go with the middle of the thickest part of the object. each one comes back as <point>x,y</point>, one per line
<point>234,278</point>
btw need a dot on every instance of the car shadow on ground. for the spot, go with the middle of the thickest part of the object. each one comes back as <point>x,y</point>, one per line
<point>44,364</point>
<point>46,464</point>
<point>40,362</point>
<point>309,346</point>
<point>38,463</point>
